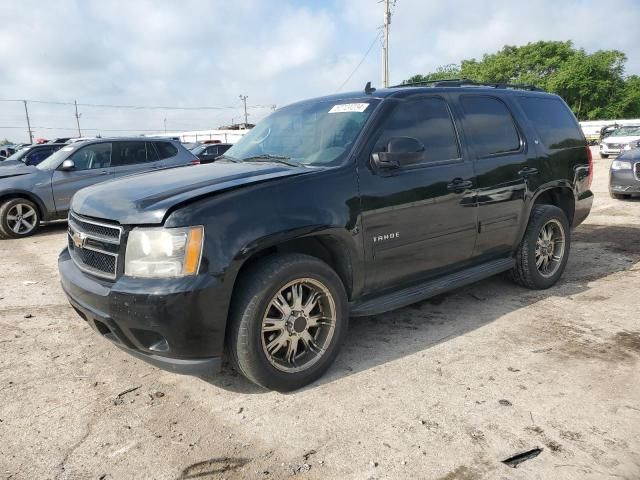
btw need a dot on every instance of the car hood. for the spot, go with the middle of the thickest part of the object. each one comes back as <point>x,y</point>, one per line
<point>146,198</point>
<point>15,170</point>
<point>11,163</point>
<point>626,139</point>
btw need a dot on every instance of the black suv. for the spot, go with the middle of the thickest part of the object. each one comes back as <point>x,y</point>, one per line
<point>347,205</point>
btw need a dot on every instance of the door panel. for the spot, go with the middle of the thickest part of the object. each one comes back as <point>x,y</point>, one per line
<point>91,166</point>
<point>416,222</point>
<point>497,143</point>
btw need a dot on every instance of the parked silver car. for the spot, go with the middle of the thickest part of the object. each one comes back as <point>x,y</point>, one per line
<point>33,194</point>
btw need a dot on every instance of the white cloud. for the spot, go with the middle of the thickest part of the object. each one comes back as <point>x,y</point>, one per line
<point>207,52</point>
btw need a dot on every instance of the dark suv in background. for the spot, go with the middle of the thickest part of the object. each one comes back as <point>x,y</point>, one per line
<point>32,155</point>
<point>32,194</point>
<point>347,205</point>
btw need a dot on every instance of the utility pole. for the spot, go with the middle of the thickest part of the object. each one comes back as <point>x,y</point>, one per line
<point>75,102</point>
<point>165,125</point>
<point>273,108</point>
<point>385,47</point>
<point>246,115</point>
<point>26,111</point>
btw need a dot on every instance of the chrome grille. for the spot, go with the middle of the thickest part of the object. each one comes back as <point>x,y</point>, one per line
<point>94,246</point>
<point>101,231</point>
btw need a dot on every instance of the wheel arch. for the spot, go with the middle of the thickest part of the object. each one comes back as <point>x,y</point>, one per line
<point>559,194</point>
<point>330,246</point>
<point>13,194</point>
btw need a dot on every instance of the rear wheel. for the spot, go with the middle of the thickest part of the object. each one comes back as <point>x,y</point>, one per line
<point>544,250</point>
<point>287,321</point>
<point>18,218</point>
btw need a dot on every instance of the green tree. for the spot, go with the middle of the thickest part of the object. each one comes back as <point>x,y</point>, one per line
<point>593,85</point>
<point>5,142</point>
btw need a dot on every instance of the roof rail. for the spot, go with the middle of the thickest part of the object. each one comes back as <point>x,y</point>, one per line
<point>464,82</point>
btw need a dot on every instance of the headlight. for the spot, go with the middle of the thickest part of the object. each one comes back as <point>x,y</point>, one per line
<point>164,252</point>
<point>620,165</point>
<point>627,146</point>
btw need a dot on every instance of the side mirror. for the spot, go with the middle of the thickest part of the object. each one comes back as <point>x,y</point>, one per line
<point>67,165</point>
<point>400,151</point>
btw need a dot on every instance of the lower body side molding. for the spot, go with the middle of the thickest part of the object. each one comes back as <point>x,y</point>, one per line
<point>431,288</point>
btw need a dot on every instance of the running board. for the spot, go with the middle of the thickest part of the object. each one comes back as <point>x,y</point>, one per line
<point>417,293</point>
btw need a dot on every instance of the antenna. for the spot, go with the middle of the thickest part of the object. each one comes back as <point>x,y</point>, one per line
<point>368,89</point>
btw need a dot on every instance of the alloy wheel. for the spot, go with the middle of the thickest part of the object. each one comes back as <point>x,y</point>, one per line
<point>298,325</point>
<point>550,248</point>
<point>22,219</point>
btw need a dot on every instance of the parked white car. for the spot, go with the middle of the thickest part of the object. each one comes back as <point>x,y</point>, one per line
<point>623,139</point>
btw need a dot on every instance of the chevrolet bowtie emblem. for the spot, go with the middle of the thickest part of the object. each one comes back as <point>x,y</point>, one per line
<point>79,239</point>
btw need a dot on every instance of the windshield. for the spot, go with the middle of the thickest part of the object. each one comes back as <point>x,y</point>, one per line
<point>317,133</point>
<point>19,154</point>
<point>626,132</point>
<point>57,157</point>
<point>198,149</point>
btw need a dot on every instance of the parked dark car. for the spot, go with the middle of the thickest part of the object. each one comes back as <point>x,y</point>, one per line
<point>624,175</point>
<point>32,155</point>
<point>208,153</point>
<point>6,151</point>
<point>347,205</point>
<point>33,194</point>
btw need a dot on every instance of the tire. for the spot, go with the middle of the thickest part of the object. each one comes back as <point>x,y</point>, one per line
<point>249,346</point>
<point>604,155</point>
<point>527,272</point>
<point>11,213</point>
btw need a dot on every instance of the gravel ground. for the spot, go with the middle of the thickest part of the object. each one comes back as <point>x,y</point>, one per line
<point>444,389</point>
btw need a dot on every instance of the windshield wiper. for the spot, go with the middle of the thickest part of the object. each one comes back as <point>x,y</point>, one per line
<point>266,157</point>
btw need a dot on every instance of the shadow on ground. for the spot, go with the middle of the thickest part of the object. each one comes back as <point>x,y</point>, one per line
<point>597,252</point>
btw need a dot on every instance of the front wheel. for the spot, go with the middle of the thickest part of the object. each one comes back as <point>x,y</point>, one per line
<point>543,253</point>
<point>18,218</point>
<point>287,322</point>
<point>604,155</point>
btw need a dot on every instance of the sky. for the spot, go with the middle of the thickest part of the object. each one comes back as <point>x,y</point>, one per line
<point>206,53</point>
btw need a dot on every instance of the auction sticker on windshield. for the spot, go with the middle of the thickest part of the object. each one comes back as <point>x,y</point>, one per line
<point>349,108</point>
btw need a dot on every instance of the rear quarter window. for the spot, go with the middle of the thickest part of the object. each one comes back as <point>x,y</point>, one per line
<point>553,121</point>
<point>166,149</point>
<point>489,123</point>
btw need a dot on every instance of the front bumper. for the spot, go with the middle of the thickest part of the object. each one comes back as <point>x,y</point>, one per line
<point>175,324</point>
<point>606,150</point>
<point>624,182</point>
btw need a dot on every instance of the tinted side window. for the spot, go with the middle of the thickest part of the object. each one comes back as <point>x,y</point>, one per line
<point>490,125</point>
<point>97,155</point>
<point>223,148</point>
<point>166,149</point>
<point>129,153</point>
<point>39,155</point>
<point>553,121</point>
<point>428,120</point>
<point>152,155</point>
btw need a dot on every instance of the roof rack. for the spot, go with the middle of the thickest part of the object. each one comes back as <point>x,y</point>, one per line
<point>464,82</point>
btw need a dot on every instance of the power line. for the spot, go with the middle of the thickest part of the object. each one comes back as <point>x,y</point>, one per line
<point>133,107</point>
<point>361,61</point>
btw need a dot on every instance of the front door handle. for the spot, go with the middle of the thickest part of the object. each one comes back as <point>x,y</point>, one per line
<point>104,172</point>
<point>528,172</point>
<point>458,185</point>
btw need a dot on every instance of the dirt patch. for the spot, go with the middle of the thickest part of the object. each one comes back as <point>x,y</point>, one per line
<point>628,340</point>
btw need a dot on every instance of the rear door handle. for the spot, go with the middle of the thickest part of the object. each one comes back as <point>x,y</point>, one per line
<point>528,172</point>
<point>458,185</point>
